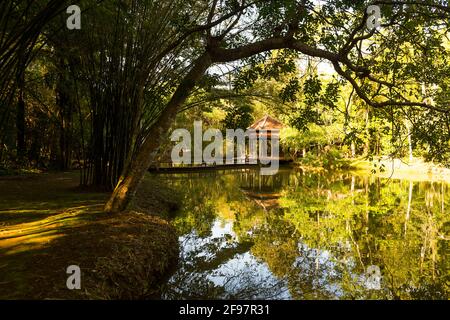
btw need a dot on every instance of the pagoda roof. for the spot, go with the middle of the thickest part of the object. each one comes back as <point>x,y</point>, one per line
<point>267,123</point>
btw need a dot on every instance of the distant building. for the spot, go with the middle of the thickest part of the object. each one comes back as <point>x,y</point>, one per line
<point>267,126</point>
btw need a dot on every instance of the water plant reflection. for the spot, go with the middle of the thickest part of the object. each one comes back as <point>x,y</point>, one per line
<point>299,235</point>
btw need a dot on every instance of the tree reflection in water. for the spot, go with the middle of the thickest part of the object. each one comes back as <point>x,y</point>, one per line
<point>300,235</point>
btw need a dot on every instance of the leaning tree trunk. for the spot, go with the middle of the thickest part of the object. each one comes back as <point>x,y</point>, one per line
<point>131,178</point>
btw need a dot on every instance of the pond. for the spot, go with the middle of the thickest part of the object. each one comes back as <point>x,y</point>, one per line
<point>302,235</point>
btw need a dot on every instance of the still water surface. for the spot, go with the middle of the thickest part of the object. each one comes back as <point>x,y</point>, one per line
<point>299,235</point>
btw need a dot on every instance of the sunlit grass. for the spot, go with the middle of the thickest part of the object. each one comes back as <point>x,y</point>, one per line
<point>416,170</point>
<point>35,211</point>
<point>37,234</point>
<point>29,242</point>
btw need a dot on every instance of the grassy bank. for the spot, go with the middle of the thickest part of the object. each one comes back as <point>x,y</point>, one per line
<point>415,170</point>
<point>48,223</point>
<point>385,167</point>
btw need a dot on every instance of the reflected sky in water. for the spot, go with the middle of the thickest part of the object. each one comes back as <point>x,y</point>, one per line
<point>301,235</point>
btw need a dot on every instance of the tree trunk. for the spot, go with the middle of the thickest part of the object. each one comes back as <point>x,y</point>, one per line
<point>135,172</point>
<point>20,121</point>
<point>367,140</point>
<point>65,106</point>
<point>408,209</point>
<point>410,148</point>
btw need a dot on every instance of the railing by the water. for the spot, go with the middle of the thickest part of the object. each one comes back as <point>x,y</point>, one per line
<point>237,163</point>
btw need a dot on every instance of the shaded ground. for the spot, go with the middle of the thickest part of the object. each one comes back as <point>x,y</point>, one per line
<point>47,223</point>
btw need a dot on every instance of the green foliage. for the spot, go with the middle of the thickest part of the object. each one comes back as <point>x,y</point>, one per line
<point>281,64</point>
<point>238,117</point>
<point>435,144</point>
<point>322,145</point>
<point>289,92</point>
<point>311,90</point>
